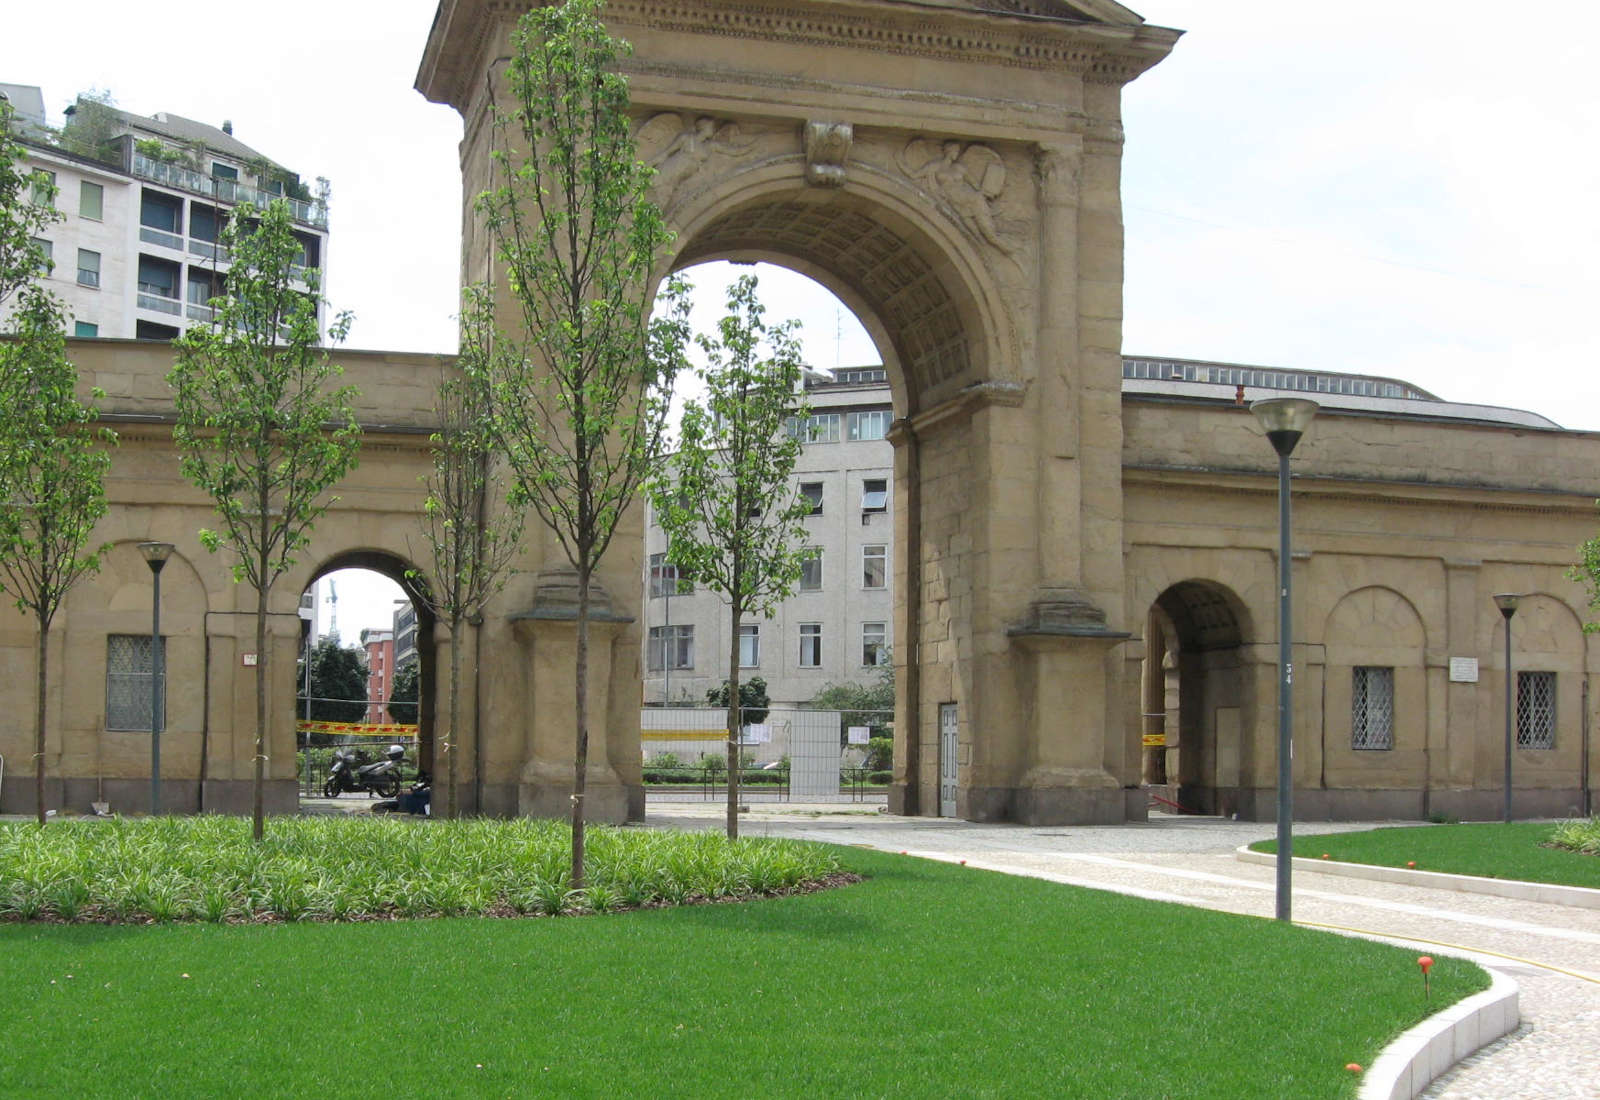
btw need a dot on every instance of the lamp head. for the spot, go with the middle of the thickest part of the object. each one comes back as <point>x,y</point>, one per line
<point>156,554</point>
<point>1284,419</point>
<point>1507,603</point>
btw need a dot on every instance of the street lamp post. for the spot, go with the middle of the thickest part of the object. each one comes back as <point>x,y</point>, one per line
<point>1284,419</point>
<point>155,555</point>
<point>1507,603</point>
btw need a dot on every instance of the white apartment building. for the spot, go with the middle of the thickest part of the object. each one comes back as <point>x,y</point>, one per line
<point>144,203</point>
<point>836,629</point>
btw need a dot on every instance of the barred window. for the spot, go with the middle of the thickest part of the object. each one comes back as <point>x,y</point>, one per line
<point>1536,710</point>
<point>1372,708</point>
<point>128,682</point>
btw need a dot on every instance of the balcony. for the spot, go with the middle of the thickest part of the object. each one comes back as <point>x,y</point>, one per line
<point>159,298</point>
<point>225,190</point>
<point>160,237</point>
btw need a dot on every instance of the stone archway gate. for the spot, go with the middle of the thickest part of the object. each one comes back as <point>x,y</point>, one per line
<point>951,169</point>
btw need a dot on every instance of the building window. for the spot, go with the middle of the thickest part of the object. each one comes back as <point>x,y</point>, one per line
<point>91,200</point>
<point>128,681</point>
<point>817,428</point>
<point>42,187</point>
<point>205,224</point>
<point>160,212</point>
<point>810,645</point>
<point>811,572</point>
<point>874,566</point>
<point>45,253</point>
<point>158,278</point>
<point>667,579</point>
<point>874,645</point>
<point>88,268</point>
<point>868,425</point>
<point>1372,708</point>
<point>86,329</point>
<point>812,491</point>
<point>875,495</point>
<point>749,645</point>
<point>1536,710</point>
<point>224,171</point>
<point>671,647</point>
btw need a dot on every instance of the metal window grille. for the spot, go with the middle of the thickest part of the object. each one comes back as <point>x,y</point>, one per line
<point>128,681</point>
<point>1372,708</point>
<point>1536,710</point>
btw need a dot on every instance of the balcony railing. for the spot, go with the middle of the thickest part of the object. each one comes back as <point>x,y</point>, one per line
<point>209,250</point>
<point>155,298</point>
<point>225,190</point>
<point>160,237</point>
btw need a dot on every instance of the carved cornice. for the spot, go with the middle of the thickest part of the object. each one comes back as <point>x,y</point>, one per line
<point>1101,52</point>
<point>972,398</point>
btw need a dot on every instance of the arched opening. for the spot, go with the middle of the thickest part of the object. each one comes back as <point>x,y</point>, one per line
<point>367,674</point>
<point>1195,696</point>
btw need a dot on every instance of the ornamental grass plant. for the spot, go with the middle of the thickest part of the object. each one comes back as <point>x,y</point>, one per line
<point>158,870</point>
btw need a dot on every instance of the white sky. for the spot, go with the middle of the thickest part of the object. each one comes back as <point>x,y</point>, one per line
<point>1406,189</point>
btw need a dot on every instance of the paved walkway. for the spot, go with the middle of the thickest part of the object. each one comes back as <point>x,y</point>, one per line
<point>1553,952</point>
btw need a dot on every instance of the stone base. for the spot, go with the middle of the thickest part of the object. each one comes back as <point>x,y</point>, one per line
<point>610,804</point>
<point>902,798</point>
<point>1261,804</point>
<point>132,796</point>
<point>1054,805</point>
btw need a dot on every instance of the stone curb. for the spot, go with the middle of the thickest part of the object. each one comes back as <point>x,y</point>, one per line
<point>1410,1063</point>
<point>1575,896</point>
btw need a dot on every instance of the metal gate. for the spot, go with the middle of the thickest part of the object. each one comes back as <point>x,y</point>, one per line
<point>947,759</point>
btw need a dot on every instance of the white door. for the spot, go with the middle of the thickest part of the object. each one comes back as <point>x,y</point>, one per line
<point>947,760</point>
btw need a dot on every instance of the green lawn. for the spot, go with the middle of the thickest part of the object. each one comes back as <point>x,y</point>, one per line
<point>925,980</point>
<point>1496,850</point>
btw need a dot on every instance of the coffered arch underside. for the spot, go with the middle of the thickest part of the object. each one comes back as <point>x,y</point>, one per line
<point>876,260</point>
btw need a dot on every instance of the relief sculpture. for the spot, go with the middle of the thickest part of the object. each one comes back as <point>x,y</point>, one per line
<point>680,148</point>
<point>967,178</point>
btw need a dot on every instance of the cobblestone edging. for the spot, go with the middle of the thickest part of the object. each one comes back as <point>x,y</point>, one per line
<point>1409,1065</point>
<point>1547,893</point>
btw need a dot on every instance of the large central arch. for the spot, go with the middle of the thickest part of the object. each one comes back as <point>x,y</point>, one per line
<point>951,170</point>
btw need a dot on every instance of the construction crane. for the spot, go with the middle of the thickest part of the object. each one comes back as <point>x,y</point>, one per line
<point>333,615</point>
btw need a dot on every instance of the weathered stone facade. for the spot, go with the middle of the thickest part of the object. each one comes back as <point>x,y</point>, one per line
<point>953,175</point>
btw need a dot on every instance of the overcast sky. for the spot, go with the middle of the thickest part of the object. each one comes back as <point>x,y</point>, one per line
<point>1406,189</point>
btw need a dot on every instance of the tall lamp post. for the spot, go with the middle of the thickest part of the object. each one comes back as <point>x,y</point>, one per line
<point>155,555</point>
<point>1507,603</point>
<point>1285,420</point>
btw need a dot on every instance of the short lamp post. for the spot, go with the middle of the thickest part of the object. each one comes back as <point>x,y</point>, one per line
<point>1507,603</point>
<point>1284,419</point>
<point>155,555</point>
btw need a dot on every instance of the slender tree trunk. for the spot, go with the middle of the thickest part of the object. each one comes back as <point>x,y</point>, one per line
<point>734,716</point>
<point>38,717</point>
<point>453,809</point>
<point>258,809</point>
<point>581,773</point>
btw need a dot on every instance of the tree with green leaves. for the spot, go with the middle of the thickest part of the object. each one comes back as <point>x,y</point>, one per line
<point>472,516</point>
<point>870,705</point>
<point>734,520</point>
<point>754,702</point>
<point>262,426</point>
<point>27,209</point>
<point>338,682</point>
<point>52,481</point>
<point>581,392</point>
<point>407,690</point>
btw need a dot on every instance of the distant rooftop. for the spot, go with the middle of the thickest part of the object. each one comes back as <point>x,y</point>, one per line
<point>1195,378</point>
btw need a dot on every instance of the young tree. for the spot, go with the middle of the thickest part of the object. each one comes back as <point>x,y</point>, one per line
<point>581,395</point>
<point>52,472</point>
<point>733,520</point>
<point>472,519</point>
<point>27,208</point>
<point>261,426</point>
<point>407,690</point>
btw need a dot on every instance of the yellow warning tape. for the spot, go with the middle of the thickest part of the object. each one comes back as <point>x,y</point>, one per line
<point>357,729</point>
<point>1155,740</point>
<point>684,735</point>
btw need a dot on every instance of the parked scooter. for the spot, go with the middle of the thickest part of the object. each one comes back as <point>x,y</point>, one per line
<point>350,771</point>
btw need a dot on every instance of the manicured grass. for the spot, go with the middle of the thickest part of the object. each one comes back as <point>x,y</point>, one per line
<point>925,980</point>
<point>1495,850</point>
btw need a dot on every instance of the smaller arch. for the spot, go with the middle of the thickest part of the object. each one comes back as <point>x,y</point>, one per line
<point>1206,614</point>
